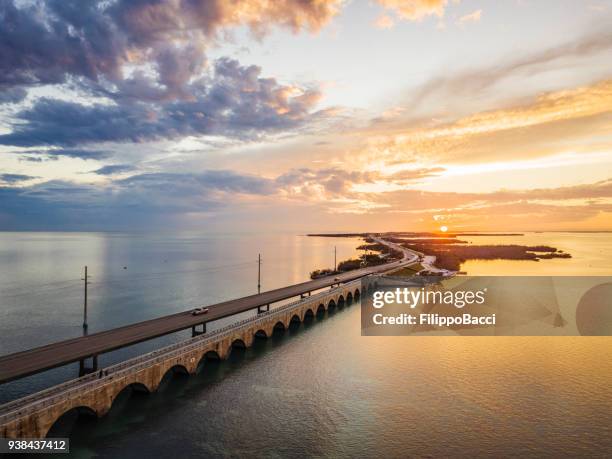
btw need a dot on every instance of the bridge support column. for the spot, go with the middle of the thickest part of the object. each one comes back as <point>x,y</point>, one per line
<point>196,332</point>
<point>84,369</point>
<point>261,309</point>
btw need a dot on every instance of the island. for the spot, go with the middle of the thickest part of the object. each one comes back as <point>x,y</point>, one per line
<point>447,251</point>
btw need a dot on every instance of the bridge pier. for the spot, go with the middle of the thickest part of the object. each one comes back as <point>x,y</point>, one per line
<point>195,332</point>
<point>261,309</point>
<point>83,369</point>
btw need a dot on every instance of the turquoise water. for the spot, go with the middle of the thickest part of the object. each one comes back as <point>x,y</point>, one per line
<point>320,389</point>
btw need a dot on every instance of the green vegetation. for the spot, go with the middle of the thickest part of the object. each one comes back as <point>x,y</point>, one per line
<point>385,254</point>
<point>449,250</point>
<point>391,254</point>
<point>317,273</point>
<point>452,256</point>
<point>349,265</point>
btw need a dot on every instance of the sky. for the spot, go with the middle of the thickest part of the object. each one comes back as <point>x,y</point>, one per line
<point>305,115</point>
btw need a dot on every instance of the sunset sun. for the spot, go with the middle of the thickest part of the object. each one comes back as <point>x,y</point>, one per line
<point>444,229</point>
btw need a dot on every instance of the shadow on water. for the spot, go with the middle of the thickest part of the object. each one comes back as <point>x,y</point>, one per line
<point>134,407</point>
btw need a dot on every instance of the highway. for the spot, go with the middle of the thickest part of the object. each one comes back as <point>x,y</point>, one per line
<point>36,360</point>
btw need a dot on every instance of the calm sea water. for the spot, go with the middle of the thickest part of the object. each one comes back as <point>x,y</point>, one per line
<point>320,389</point>
<point>590,251</point>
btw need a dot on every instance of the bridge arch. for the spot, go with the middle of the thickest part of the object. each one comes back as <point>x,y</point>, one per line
<point>261,333</point>
<point>331,304</point>
<point>74,412</point>
<point>357,294</point>
<point>295,319</point>
<point>128,389</point>
<point>341,301</point>
<point>130,386</point>
<point>177,369</point>
<point>237,345</point>
<point>170,373</point>
<point>321,309</point>
<point>211,355</point>
<point>280,326</point>
<point>349,298</point>
<point>309,314</point>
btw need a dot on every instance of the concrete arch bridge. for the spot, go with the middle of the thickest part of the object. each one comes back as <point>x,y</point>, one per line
<point>33,416</point>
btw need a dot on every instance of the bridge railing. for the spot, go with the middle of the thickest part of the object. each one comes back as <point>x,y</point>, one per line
<point>55,394</point>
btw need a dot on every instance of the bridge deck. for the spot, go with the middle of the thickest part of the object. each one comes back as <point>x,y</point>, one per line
<point>20,364</point>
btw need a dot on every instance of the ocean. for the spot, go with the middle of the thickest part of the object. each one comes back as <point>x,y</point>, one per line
<point>320,389</point>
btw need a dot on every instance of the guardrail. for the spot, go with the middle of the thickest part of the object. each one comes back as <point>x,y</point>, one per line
<point>47,397</point>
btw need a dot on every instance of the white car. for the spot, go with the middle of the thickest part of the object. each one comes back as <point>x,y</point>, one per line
<point>199,311</point>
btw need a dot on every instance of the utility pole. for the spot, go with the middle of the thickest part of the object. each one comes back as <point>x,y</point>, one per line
<point>259,274</point>
<point>85,283</point>
<point>335,264</point>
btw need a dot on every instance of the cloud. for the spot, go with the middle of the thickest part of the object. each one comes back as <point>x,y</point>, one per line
<point>166,199</point>
<point>462,85</point>
<point>519,209</point>
<point>316,183</point>
<point>113,169</point>
<point>52,154</point>
<point>332,183</point>
<point>162,199</point>
<point>147,197</point>
<point>12,95</point>
<point>409,175</point>
<point>533,128</point>
<point>415,10</point>
<point>384,22</point>
<point>149,21</point>
<point>472,17</point>
<point>35,159</point>
<point>15,178</point>
<point>235,101</point>
<point>460,201</point>
<point>57,205</point>
<point>194,185</point>
<point>50,42</point>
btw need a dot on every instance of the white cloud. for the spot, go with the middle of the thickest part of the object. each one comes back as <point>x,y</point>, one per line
<point>472,17</point>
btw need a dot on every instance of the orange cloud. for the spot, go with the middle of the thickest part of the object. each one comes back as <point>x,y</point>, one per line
<point>493,135</point>
<point>296,14</point>
<point>415,10</point>
<point>163,18</point>
<point>584,206</point>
